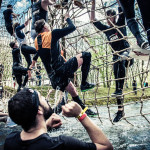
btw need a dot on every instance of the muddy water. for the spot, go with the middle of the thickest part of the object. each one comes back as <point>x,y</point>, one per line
<point>122,135</point>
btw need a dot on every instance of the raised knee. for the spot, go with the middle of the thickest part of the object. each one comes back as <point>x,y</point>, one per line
<point>86,55</point>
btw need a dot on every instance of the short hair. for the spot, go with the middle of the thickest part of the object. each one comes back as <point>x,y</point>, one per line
<point>39,25</point>
<point>111,12</point>
<point>23,108</point>
<point>15,25</point>
<point>9,5</point>
<point>11,44</point>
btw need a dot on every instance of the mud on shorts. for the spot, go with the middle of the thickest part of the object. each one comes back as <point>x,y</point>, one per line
<point>61,77</point>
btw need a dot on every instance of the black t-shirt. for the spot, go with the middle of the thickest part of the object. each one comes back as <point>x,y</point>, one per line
<point>45,142</point>
<point>52,58</point>
<point>8,16</point>
<point>16,56</point>
<point>113,34</point>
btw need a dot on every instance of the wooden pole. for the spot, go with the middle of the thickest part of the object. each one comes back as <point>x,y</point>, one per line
<point>0,3</point>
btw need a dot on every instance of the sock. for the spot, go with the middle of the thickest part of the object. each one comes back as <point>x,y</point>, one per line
<point>120,102</point>
<point>121,84</point>
<point>133,26</point>
<point>85,66</point>
<point>79,101</point>
<point>117,85</point>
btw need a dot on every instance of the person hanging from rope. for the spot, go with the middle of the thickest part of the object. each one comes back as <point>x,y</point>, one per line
<point>120,62</point>
<point>39,11</point>
<point>21,38</point>
<point>32,111</point>
<point>129,12</point>
<point>18,70</point>
<point>8,16</point>
<point>58,70</point>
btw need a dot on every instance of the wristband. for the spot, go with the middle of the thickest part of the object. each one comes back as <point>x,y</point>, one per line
<point>82,112</point>
<point>82,117</point>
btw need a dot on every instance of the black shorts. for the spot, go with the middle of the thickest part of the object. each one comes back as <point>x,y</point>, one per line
<point>19,70</point>
<point>9,29</point>
<point>61,77</point>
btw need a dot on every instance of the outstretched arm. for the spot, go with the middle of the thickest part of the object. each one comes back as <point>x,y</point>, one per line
<point>15,15</point>
<point>121,19</point>
<point>59,33</point>
<point>20,27</point>
<point>96,23</point>
<point>96,135</point>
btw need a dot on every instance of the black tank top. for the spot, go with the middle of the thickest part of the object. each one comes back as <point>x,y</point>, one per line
<point>38,13</point>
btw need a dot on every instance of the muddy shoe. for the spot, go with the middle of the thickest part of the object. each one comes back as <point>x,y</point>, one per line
<point>119,115</point>
<point>143,44</point>
<point>87,87</point>
<point>91,113</point>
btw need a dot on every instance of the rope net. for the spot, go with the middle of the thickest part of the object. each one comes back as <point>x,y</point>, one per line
<point>85,38</point>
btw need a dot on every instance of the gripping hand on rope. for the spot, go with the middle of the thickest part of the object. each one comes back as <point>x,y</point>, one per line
<point>26,23</point>
<point>66,16</point>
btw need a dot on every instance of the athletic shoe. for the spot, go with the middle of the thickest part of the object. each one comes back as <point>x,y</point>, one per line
<point>91,113</point>
<point>145,45</point>
<point>119,115</point>
<point>87,87</point>
<point>117,93</point>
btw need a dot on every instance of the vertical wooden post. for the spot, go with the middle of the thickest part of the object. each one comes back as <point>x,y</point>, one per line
<point>0,3</point>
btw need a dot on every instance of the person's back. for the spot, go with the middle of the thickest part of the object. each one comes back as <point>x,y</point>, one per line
<point>45,142</point>
<point>16,56</point>
<point>38,13</point>
<point>7,16</point>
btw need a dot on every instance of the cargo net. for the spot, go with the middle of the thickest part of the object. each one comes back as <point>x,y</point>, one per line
<point>85,38</point>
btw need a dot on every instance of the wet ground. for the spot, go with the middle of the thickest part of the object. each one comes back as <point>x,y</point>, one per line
<point>123,135</point>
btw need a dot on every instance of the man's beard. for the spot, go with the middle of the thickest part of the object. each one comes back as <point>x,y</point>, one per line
<point>47,112</point>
